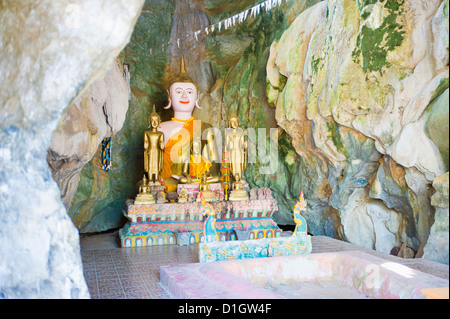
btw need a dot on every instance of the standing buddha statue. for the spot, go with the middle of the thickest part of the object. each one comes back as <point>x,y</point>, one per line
<point>236,147</point>
<point>153,149</point>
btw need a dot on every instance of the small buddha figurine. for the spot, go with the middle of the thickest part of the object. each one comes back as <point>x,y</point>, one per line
<point>236,147</point>
<point>196,166</point>
<point>144,196</point>
<point>182,196</point>
<point>205,191</point>
<point>180,130</point>
<point>154,149</point>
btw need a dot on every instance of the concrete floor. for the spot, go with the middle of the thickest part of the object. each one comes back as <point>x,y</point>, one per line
<point>112,272</point>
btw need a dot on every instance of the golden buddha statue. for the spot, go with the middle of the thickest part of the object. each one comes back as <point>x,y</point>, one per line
<point>236,147</point>
<point>179,132</point>
<point>183,196</point>
<point>196,166</point>
<point>204,189</point>
<point>144,196</point>
<point>154,149</point>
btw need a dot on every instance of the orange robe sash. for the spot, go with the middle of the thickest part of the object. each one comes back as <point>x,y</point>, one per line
<point>167,162</point>
<point>197,168</point>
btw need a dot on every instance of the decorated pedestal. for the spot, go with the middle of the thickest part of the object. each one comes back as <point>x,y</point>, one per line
<point>263,247</point>
<point>299,243</point>
<point>156,188</point>
<point>192,189</point>
<point>156,224</point>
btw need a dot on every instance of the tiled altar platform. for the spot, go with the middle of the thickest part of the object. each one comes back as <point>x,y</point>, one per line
<point>157,224</point>
<point>131,273</point>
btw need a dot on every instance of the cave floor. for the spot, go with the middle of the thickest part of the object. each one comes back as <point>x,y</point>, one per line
<point>112,272</point>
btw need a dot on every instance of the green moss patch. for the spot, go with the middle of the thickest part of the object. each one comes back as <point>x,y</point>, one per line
<point>373,45</point>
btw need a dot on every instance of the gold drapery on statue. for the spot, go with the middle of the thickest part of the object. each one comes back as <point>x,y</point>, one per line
<point>198,166</point>
<point>182,144</point>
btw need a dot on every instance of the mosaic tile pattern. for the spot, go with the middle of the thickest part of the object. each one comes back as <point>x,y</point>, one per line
<point>132,273</point>
<point>121,273</point>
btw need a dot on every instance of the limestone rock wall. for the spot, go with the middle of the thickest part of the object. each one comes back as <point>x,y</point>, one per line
<point>49,52</point>
<point>96,114</point>
<point>437,244</point>
<point>363,90</point>
<point>100,197</point>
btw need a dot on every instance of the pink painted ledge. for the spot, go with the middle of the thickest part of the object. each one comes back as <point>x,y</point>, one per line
<point>366,274</point>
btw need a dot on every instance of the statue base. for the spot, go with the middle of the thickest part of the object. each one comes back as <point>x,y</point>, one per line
<point>193,189</point>
<point>209,196</point>
<point>156,224</point>
<point>263,247</point>
<point>153,187</point>
<point>154,184</point>
<point>144,199</point>
<point>238,194</point>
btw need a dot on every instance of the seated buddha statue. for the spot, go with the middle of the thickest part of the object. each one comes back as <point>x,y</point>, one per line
<point>182,129</point>
<point>204,191</point>
<point>144,197</point>
<point>196,166</point>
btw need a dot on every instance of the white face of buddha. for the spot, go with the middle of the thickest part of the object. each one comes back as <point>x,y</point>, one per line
<point>184,96</point>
